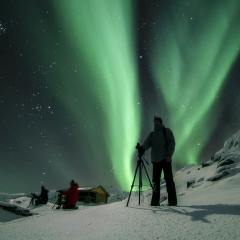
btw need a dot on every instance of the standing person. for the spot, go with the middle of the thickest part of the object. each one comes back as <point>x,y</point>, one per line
<point>43,197</point>
<point>162,144</point>
<point>71,196</point>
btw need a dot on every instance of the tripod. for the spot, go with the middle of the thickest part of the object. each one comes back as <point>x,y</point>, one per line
<point>139,167</point>
<point>59,201</point>
<point>33,197</point>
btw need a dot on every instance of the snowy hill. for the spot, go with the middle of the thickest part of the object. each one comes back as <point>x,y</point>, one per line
<point>208,199</point>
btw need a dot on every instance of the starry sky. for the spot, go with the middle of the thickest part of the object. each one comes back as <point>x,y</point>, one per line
<point>81,81</point>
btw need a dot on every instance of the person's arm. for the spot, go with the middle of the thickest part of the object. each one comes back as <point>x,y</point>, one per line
<point>171,145</point>
<point>147,143</point>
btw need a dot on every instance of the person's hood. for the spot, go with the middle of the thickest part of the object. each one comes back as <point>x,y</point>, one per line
<point>75,185</point>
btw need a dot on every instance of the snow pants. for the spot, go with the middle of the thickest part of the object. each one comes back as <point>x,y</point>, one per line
<point>170,185</point>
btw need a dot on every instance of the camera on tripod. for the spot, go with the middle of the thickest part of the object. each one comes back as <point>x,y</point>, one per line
<point>60,199</point>
<point>140,166</point>
<point>33,195</point>
<point>140,149</point>
<point>33,198</point>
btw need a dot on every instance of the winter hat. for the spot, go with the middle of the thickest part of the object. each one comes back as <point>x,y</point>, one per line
<point>158,118</point>
<point>72,182</point>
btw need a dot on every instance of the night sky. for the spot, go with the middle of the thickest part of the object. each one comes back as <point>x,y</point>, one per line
<point>82,79</point>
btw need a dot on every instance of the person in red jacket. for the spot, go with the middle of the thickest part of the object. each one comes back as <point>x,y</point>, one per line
<point>71,196</point>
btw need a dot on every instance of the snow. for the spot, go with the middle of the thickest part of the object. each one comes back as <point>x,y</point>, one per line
<point>208,209</point>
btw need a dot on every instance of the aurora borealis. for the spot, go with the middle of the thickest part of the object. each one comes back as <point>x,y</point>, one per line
<point>200,46</point>
<point>81,81</point>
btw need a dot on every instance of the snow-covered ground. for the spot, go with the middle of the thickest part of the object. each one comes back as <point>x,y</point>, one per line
<point>208,208</point>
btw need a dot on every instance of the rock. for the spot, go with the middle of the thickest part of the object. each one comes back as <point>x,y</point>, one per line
<point>231,144</point>
<point>217,159</point>
<point>222,168</point>
<point>218,176</point>
<point>200,179</point>
<point>189,183</point>
<point>225,162</point>
<point>206,164</point>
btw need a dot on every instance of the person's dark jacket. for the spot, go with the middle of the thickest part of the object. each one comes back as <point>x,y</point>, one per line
<point>160,148</point>
<point>43,197</point>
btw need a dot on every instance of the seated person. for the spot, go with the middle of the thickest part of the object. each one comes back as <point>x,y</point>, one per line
<point>43,197</point>
<point>71,196</point>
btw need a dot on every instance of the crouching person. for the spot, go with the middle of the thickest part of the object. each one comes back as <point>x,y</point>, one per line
<point>43,197</point>
<point>71,196</point>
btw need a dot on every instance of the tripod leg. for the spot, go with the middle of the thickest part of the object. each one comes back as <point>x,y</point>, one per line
<point>54,204</point>
<point>147,175</point>
<point>140,183</point>
<point>132,184</point>
<point>32,201</point>
<point>58,202</point>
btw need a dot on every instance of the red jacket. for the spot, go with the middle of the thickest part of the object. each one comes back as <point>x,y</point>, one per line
<point>71,196</point>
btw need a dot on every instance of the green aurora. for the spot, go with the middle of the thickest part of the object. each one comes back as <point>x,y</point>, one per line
<point>102,34</point>
<point>194,57</point>
<point>189,67</point>
<point>81,96</point>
